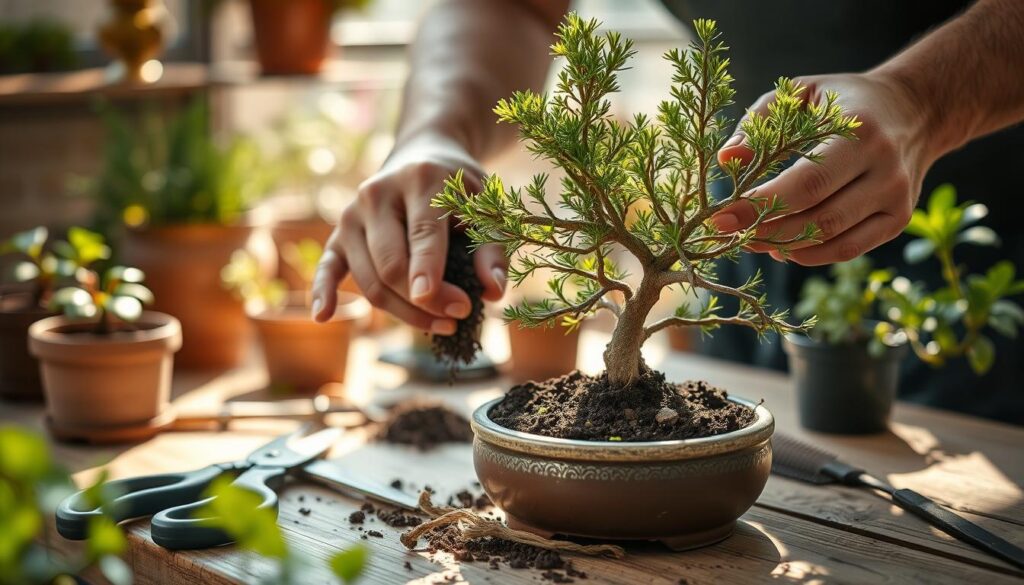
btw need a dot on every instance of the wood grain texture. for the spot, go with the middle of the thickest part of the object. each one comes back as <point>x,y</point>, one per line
<point>796,533</point>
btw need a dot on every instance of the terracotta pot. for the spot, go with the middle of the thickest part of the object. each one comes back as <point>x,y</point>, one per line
<point>291,37</point>
<point>303,355</point>
<point>680,338</point>
<point>103,381</point>
<point>292,232</point>
<point>685,493</point>
<point>19,371</point>
<point>539,353</point>
<point>182,265</point>
<point>843,389</point>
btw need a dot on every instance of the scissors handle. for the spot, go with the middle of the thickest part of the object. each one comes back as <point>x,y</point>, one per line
<point>181,528</point>
<point>139,496</point>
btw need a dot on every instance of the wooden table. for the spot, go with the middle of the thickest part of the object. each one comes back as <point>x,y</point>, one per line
<point>795,533</point>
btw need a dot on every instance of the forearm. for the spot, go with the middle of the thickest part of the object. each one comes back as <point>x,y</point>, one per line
<point>968,75</point>
<point>468,54</point>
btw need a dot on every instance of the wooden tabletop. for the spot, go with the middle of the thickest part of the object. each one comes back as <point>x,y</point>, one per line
<point>795,533</point>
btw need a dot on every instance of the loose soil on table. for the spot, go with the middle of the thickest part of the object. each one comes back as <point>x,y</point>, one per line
<point>577,406</point>
<point>459,270</point>
<point>425,425</point>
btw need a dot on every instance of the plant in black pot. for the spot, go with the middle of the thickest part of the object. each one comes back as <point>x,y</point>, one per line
<point>846,371</point>
<point>562,455</point>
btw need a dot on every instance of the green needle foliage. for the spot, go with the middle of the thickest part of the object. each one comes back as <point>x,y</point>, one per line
<point>640,185</point>
<point>115,294</point>
<point>939,325</point>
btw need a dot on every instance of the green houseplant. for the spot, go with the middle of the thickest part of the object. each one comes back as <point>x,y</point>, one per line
<point>846,372</point>
<point>300,355</point>
<point>23,301</point>
<point>183,197</point>
<point>105,363</point>
<point>574,448</point>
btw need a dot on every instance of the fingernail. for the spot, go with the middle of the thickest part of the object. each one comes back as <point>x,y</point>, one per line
<point>457,310</point>
<point>443,327</point>
<point>317,305</point>
<point>726,222</point>
<point>499,275</point>
<point>734,141</point>
<point>420,287</point>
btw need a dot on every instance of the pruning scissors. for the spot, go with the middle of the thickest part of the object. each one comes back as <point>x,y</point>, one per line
<point>173,499</point>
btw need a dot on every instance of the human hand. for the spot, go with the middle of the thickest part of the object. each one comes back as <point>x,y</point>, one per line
<point>862,193</point>
<point>395,244</point>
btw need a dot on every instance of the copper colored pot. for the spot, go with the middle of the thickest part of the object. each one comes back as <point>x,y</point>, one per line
<point>19,371</point>
<point>303,355</point>
<point>102,381</point>
<point>539,353</point>
<point>685,493</point>
<point>182,265</point>
<point>291,37</point>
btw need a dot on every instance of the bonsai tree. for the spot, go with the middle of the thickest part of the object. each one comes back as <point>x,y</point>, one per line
<point>115,294</point>
<point>657,170</point>
<point>939,325</point>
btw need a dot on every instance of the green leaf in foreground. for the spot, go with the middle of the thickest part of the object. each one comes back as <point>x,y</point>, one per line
<point>236,511</point>
<point>348,564</point>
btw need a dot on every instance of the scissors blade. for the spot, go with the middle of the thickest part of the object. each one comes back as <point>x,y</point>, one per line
<point>334,475</point>
<point>296,448</point>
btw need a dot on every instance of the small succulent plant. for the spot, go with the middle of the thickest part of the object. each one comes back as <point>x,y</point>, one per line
<point>244,275</point>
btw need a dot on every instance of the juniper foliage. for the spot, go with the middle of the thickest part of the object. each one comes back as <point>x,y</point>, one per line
<point>641,185</point>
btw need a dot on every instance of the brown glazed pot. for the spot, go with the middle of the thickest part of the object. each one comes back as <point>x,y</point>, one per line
<point>182,264</point>
<point>539,353</point>
<point>19,371</point>
<point>685,493</point>
<point>291,37</point>
<point>303,355</point>
<point>102,381</point>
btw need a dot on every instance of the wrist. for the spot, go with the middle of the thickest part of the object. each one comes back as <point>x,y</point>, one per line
<point>933,127</point>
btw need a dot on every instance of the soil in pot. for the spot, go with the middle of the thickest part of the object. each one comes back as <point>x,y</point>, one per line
<point>19,371</point>
<point>578,406</point>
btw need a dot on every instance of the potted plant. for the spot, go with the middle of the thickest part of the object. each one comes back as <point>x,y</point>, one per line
<point>106,363</point>
<point>22,303</point>
<point>627,453</point>
<point>300,354</point>
<point>182,198</point>
<point>847,371</point>
<point>292,37</point>
<point>539,353</point>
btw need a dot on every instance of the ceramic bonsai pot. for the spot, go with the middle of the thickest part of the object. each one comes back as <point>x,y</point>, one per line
<point>302,355</point>
<point>539,353</point>
<point>19,371</point>
<point>685,493</point>
<point>843,389</point>
<point>182,265</point>
<point>100,382</point>
<point>291,37</point>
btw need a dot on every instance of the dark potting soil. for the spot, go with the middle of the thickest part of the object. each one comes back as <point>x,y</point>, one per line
<point>577,406</point>
<point>425,425</point>
<point>497,551</point>
<point>461,347</point>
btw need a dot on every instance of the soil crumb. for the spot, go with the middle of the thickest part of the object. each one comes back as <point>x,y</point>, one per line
<point>578,406</point>
<point>425,425</point>
<point>459,270</point>
<point>496,552</point>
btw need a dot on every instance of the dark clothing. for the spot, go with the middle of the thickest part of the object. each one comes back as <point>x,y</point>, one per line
<point>797,37</point>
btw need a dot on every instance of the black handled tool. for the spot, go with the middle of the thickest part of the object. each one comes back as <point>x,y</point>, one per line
<point>798,460</point>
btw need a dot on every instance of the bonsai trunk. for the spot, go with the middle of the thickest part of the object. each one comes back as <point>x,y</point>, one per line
<point>622,354</point>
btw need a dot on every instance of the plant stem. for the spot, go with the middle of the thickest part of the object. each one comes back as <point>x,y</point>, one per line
<point>622,355</point>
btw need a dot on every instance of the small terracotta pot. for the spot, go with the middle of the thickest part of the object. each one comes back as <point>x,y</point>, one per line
<point>19,371</point>
<point>685,493</point>
<point>182,265</point>
<point>102,381</point>
<point>293,231</point>
<point>680,338</point>
<point>303,355</point>
<point>291,37</point>
<point>539,353</point>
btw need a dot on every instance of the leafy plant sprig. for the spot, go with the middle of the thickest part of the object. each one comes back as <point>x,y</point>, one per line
<point>39,266</point>
<point>843,305</point>
<point>657,171</point>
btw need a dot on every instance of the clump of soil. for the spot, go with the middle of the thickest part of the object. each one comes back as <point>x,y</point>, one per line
<point>497,551</point>
<point>459,270</point>
<point>577,406</point>
<point>425,425</point>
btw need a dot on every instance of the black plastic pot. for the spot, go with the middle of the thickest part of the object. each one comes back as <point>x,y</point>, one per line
<point>843,389</point>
